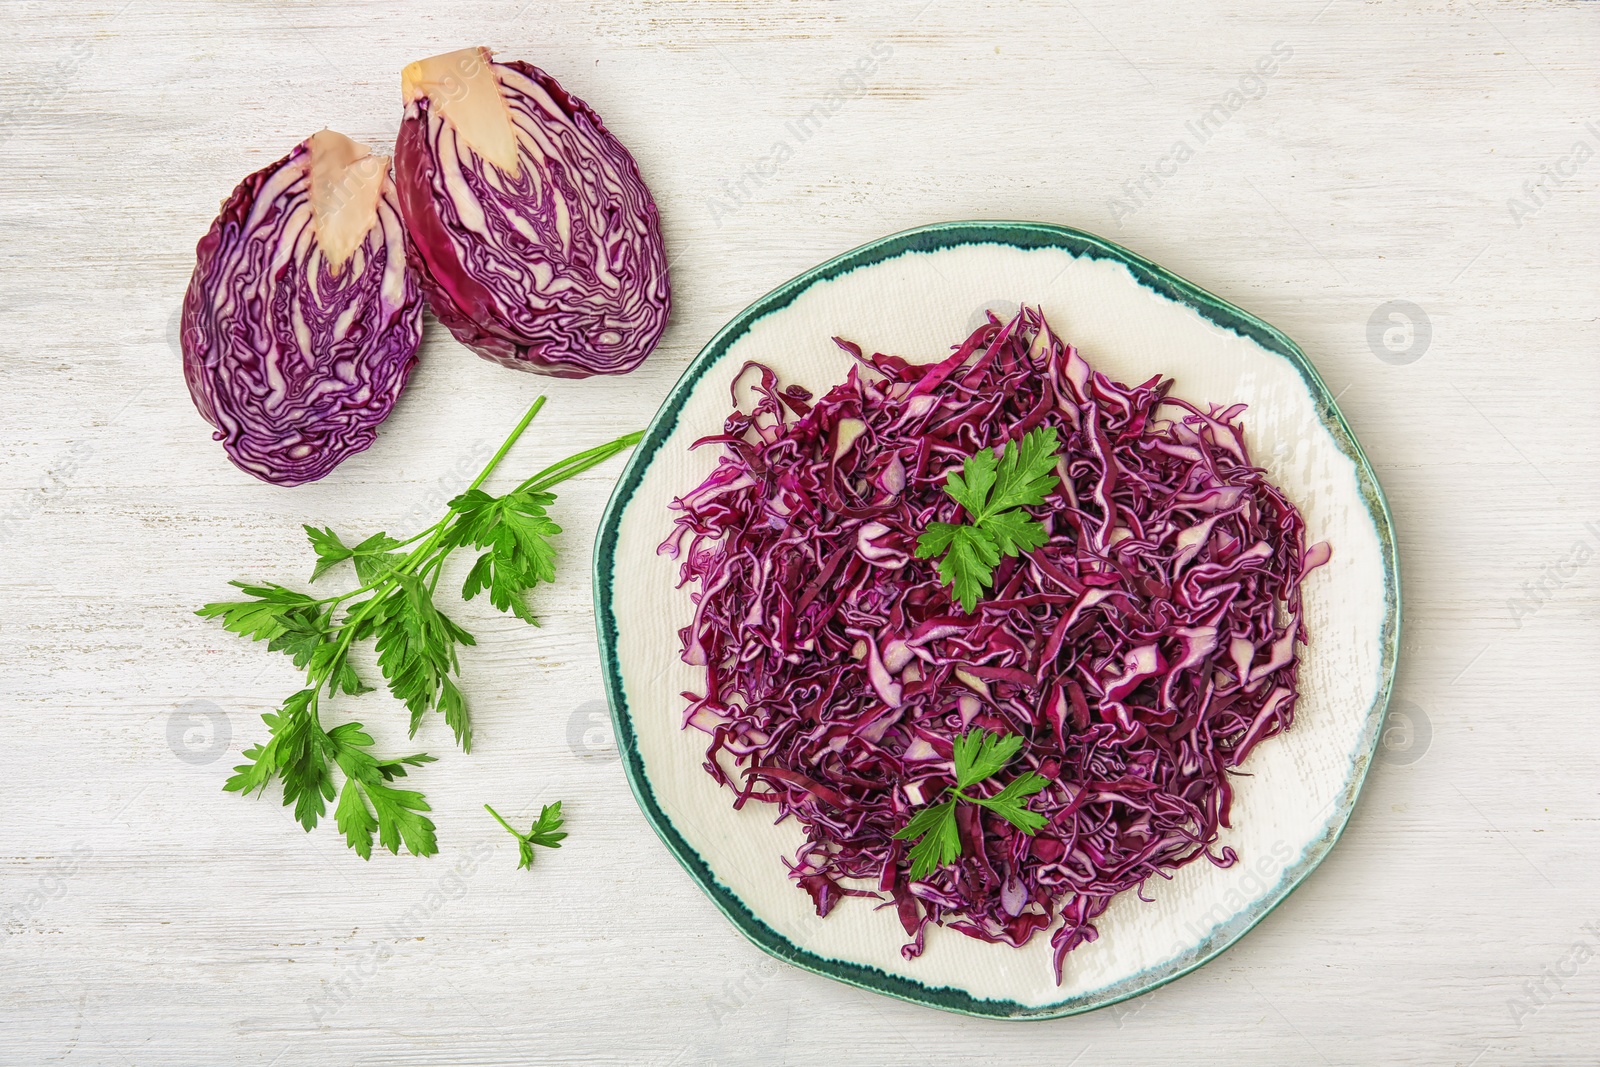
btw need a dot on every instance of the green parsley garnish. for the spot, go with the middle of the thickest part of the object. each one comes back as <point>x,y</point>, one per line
<point>415,643</point>
<point>979,755</point>
<point>545,831</point>
<point>993,493</point>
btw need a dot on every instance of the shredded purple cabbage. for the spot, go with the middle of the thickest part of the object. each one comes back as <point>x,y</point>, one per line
<point>1143,651</point>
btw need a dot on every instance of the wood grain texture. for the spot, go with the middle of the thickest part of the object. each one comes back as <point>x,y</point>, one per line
<point>149,919</point>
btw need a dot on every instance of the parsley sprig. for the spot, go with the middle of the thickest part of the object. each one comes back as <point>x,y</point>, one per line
<point>993,493</point>
<point>546,831</point>
<point>416,645</point>
<point>979,756</point>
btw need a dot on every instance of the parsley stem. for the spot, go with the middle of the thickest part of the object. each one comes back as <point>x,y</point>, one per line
<point>413,539</point>
<point>315,703</point>
<point>439,527</point>
<point>426,557</point>
<point>427,548</point>
<point>557,473</point>
<point>498,456</point>
<point>434,532</point>
<point>501,821</point>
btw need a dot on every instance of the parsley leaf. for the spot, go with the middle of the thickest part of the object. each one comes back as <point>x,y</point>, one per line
<point>1013,532</point>
<point>979,756</point>
<point>992,491</point>
<point>373,557</point>
<point>396,814</point>
<point>546,831</point>
<point>272,612</point>
<point>1010,804</point>
<point>1026,474</point>
<point>970,486</point>
<point>516,531</point>
<point>969,561</point>
<point>292,623</point>
<point>329,549</point>
<point>941,839</point>
<point>416,645</point>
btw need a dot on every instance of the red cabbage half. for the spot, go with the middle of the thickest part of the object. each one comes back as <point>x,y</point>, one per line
<point>301,322</point>
<point>538,244</point>
<point>1142,652</point>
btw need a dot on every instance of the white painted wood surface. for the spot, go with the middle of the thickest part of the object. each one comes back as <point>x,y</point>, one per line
<point>1436,153</point>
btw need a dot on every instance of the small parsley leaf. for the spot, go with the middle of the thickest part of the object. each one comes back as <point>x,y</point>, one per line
<point>368,803</point>
<point>1026,473</point>
<point>1013,533</point>
<point>970,486</point>
<point>373,557</point>
<point>978,756</point>
<point>546,831</point>
<point>969,561</point>
<point>416,645</point>
<point>329,549</point>
<point>940,842</point>
<point>992,491</point>
<point>273,612</point>
<point>292,623</point>
<point>1010,805</point>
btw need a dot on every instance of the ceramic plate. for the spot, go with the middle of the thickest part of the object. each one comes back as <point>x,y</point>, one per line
<point>915,294</point>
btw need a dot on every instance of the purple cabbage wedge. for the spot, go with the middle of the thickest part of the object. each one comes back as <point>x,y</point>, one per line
<point>538,243</point>
<point>1142,651</point>
<point>302,319</point>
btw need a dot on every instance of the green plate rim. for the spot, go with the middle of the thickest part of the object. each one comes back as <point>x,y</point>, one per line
<point>1024,235</point>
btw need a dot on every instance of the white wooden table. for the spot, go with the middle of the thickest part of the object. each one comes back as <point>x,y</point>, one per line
<point>1440,154</point>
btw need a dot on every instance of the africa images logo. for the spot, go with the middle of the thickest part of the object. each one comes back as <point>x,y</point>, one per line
<point>1552,178</point>
<point>1252,86</point>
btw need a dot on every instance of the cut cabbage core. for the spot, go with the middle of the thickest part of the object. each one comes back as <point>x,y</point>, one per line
<point>346,180</point>
<point>462,89</point>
